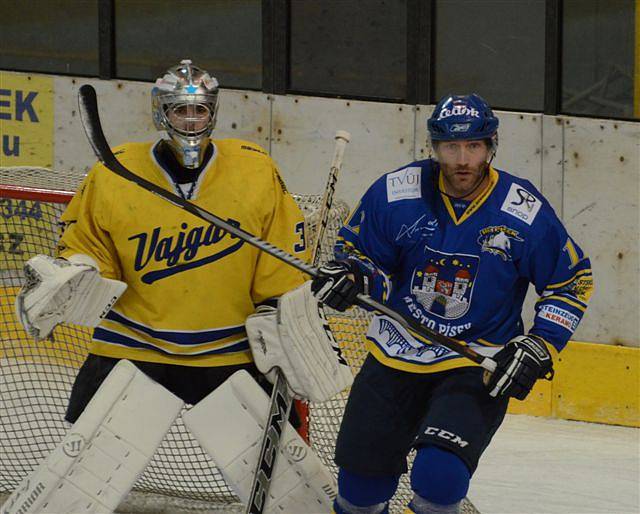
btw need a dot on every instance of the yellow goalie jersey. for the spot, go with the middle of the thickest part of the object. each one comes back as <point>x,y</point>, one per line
<point>191,285</point>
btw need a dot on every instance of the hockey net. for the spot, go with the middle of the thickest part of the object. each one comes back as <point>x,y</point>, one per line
<point>36,378</point>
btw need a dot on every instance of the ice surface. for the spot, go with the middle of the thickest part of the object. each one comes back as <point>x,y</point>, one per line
<point>539,465</point>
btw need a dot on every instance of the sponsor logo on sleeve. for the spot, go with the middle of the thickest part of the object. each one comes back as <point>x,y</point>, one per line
<point>582,288</point>
<point>559,316</point>
<point>521,204</point>
<point>404,184</point>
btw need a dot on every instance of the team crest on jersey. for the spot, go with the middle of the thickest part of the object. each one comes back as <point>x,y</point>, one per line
<point>497,240</point>
<point>443,286</point>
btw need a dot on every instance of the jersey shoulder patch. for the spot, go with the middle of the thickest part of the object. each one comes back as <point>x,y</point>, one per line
<point>404,184</point>
<point>521,204</point>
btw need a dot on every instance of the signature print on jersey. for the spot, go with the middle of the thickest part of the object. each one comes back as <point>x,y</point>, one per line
<point>443,286</point>
<point>419,228</point>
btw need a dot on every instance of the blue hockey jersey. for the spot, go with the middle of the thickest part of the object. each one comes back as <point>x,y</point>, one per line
<point>463,270</point>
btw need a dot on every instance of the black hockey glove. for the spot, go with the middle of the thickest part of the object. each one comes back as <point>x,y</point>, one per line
<point>335,287</point>
<point>521,362</point>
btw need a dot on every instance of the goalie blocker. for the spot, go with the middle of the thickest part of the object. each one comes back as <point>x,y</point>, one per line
<point>296,338</point>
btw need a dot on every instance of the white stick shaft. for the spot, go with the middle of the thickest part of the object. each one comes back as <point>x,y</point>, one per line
<point>342,137</point>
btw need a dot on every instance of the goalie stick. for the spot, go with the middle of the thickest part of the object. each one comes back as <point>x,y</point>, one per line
<point>88,106</point>
<point>281,401</point>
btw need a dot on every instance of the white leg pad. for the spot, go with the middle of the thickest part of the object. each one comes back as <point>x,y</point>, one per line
<point>229,422</point>
<point>104,452</point>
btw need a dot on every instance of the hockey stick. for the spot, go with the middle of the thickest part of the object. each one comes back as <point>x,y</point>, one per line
<point>89,115</point>
<point>342,137</point>
<point>279,409</point>
<point>281,400</point>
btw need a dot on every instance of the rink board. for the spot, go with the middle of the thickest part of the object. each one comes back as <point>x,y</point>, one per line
<point>593,382</point>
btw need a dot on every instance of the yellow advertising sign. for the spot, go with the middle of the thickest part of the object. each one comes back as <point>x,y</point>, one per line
<point>26,120</point>
<point>27,227</point>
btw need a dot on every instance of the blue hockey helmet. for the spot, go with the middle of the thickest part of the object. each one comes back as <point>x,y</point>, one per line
<point>460,117</point>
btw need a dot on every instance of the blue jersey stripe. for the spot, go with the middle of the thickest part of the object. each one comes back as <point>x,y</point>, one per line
<point>108,336</point>
<point>182,338</point>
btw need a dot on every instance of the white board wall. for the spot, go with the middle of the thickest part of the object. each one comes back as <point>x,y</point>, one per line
<point>589,169</point>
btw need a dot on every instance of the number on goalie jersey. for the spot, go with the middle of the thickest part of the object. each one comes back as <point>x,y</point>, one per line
<point>191,285</point>
<point>453,243</point>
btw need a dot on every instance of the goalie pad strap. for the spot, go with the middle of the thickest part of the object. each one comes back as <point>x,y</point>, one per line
<point>228,424</point>
<point>104,452</point>
<point>297,339</point>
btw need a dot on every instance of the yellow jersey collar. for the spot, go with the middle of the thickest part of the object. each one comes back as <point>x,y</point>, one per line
<point>195,188</point>
<point>475,204</point>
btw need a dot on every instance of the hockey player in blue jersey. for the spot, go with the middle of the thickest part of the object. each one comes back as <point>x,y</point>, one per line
<point>454,243</point>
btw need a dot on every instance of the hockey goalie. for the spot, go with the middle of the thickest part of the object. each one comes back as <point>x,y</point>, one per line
<point>183,313</point>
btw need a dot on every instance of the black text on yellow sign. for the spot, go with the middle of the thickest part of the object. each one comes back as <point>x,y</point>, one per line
<point>26,120</point>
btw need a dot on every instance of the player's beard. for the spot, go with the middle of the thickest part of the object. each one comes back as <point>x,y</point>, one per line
<point>462,181</point>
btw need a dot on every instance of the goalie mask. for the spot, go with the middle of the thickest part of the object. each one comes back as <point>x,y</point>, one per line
<point>185,105</point>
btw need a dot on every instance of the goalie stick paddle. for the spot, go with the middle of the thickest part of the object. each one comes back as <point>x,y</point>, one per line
<point>279,409</point>
<point>88,107</point>
<point>281,400</point>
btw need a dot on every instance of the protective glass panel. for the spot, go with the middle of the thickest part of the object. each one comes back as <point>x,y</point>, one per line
<point>222,36</point>
<point>349,47</point>
<point>49,36</point>
<point>599,39</point>
<point>494,48</point>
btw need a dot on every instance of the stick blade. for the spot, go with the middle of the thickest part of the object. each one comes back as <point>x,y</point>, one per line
<point>88,107</point>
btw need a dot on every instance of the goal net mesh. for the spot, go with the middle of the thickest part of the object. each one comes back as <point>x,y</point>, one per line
<point>36,378</point>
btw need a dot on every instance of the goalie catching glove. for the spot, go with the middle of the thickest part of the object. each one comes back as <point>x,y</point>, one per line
<point>521,362</point>
<point>296,338</point>
<point>59,290</point>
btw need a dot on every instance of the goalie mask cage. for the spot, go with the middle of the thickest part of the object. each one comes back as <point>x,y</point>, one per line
<point>36,377</point>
